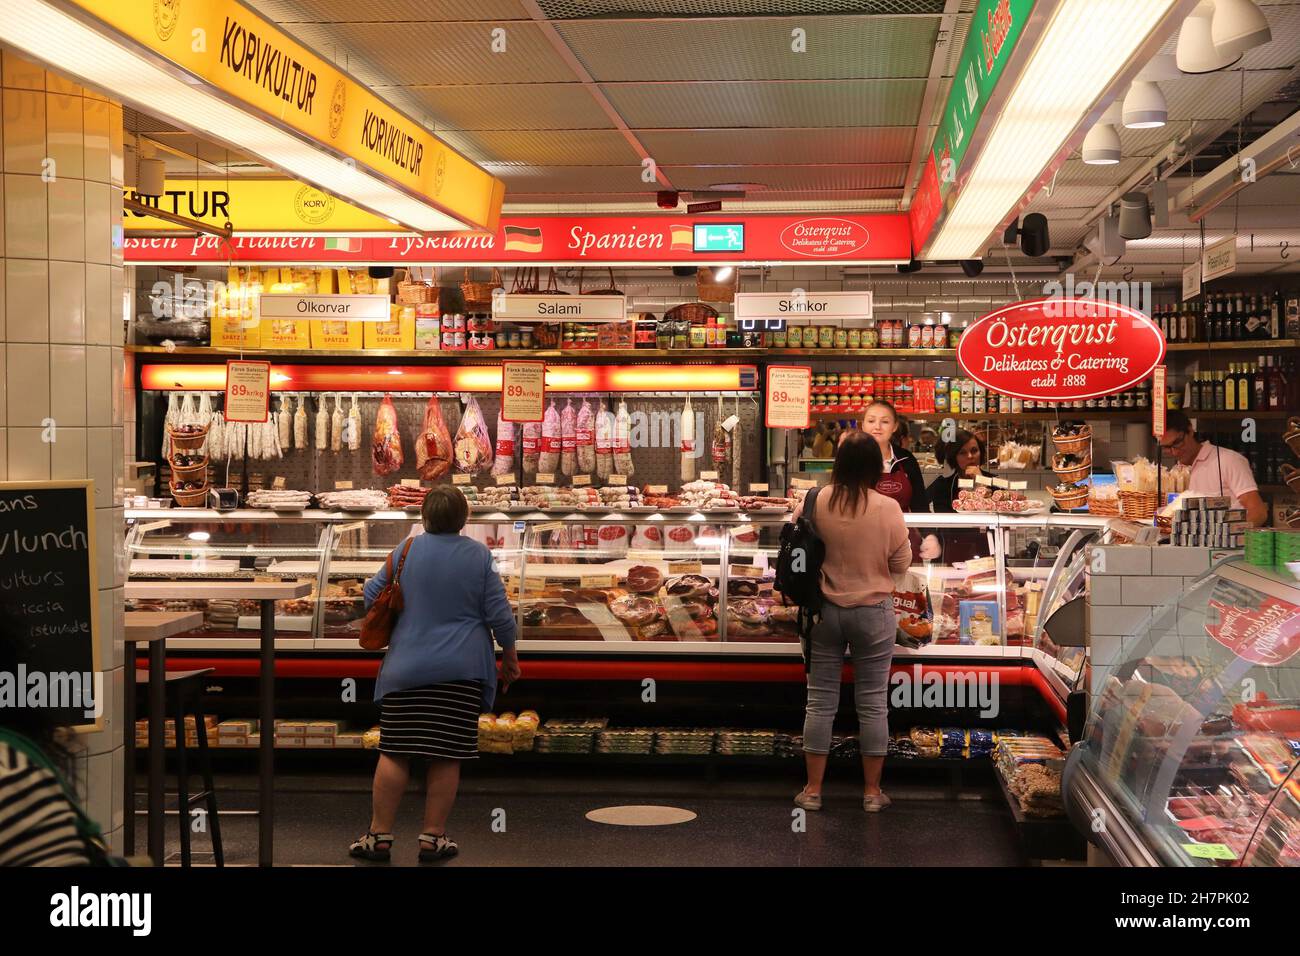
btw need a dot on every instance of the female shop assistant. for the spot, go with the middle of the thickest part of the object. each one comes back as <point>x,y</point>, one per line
<point>963,455</point>
<point>439,672</point>
<point>900,476</point>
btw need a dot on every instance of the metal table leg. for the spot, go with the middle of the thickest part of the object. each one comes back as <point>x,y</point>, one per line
<point>128,758</point>
<point>157,739</point>
<point>266,750</point>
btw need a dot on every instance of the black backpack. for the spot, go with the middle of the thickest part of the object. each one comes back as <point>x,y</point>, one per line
<point>799,569</point>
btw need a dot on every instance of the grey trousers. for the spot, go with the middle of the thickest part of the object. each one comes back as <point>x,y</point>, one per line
<point>868,632</point>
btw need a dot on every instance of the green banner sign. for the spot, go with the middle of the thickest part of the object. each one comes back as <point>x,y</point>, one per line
<point>993,34</point>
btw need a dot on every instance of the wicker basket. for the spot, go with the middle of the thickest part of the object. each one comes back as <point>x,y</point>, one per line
<point>1292,435</point>
<point>1165,524</point>
<point>1291,475</point>
<point>1074,474</point>
<point>710,290</point>
<point>692,312</point>
<point>1074,499</point>
<point>1075,443</point>
<point>190,499</point>
<point>197,472</point>
<point>611,289</point>
<point>1138,505</point>
<point>187,442</point>
<point>479,293</point>
<point>1104,507</point>
<point>410,292</point>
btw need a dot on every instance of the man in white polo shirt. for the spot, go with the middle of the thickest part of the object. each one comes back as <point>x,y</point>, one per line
<point>1216,472</point>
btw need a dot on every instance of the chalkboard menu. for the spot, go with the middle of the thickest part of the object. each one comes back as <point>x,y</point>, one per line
<point>48,597</point>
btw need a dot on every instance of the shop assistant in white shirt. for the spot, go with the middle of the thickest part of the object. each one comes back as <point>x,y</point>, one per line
<point>1216,471</point>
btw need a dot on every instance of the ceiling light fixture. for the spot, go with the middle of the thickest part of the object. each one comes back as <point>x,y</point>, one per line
<point>1145,106</point>
<point>110,61</point>
<point>1044,111</point>
<point>1238,26</point>
<point>1197,52</point>
<point>1101,145</point>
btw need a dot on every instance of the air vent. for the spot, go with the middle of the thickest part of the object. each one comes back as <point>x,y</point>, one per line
<point>616,9</point>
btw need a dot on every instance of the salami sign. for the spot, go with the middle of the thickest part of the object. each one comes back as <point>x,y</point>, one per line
<point>1057,349</point>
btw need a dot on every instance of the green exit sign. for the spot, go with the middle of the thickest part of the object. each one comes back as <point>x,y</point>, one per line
<point>720,237</point>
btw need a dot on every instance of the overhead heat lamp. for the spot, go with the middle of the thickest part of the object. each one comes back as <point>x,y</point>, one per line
<point>1238,26</point>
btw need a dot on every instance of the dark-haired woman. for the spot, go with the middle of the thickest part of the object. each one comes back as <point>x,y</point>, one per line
<point>439,672</point>
<point>964,456</point>
<point>866,545</point>
<point>901,476</point>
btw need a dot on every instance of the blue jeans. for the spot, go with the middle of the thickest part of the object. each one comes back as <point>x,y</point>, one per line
<point>868,632</point>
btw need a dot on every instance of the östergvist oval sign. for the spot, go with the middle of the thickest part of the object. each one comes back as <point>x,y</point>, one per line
<point>1057,350</point>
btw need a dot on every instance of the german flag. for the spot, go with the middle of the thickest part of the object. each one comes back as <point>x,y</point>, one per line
<point>681,236</point>
<point>523,239</point>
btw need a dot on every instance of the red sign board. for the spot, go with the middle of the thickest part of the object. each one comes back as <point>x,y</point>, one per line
<point>1269,636</point>
<point>248,391</point>
<point>1061,349</point>
<point>649,240</point>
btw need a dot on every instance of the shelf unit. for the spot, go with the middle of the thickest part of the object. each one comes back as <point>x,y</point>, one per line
<point>1242,346</point>
<point>490,355</point>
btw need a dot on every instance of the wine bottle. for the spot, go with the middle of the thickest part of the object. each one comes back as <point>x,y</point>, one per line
<point>1230,388</point>
<point>1245,387</point>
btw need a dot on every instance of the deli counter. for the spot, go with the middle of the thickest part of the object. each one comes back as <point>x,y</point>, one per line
<point>647,582</point>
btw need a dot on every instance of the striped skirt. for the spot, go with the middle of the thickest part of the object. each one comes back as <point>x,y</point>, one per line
<point>440,720</point>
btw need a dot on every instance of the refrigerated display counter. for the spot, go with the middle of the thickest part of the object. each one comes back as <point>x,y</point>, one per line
<point>1191,749</point>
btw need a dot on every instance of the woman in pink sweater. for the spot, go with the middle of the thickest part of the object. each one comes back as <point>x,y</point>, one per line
<point>866,545</point>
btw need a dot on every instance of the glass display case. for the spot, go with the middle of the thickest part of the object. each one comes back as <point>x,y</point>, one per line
<point>596,581</point>
<point>1191,750</point>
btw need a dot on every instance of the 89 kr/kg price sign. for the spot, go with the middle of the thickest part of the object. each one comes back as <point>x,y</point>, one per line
<point>523,391</point>
<point>248,391</point>
<point>788,402</point>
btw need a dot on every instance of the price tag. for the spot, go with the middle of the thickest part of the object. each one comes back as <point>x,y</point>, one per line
<point>410,482</point>
<point>342,486</point>
<point>617,480</point>
<point>983,480</point>
<point>656,489</point>
<point>744,571</point>
<point>523,391</point>
<point>759,489</point>
<point>803,484</point>
<point>505,479</point>
<point>546,477</point>
<point>1209,851</point>
<point>277,482</point>
<point>685,567</point>
<point>1001,483</point>
<point>248,391</point>
<point>788,402</point>
<point>597,581</point>
<point>265,579</point>
<point>460,479</point>
<point>580,481</point>
<point>708,476</point>
<point>1159,401</point>
<point>730,422</point>
<point>965,483</point>
<point>1019,486</point>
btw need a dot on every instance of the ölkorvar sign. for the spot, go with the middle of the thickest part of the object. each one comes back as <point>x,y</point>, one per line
<point>1056,349</point>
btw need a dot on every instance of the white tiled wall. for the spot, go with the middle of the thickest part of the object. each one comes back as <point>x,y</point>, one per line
<point>61,192</point>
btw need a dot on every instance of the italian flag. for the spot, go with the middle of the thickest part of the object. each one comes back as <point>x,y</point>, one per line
<point>341,244</point>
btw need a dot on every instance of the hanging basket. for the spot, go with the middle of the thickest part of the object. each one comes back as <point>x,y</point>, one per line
<point>613,288</point>
<point>709,290</point>
<point>479,293</point>
<point>696,313</point>
<point>412,292</point>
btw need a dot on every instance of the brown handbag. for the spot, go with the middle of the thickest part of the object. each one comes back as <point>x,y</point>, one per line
<point>377,626</point>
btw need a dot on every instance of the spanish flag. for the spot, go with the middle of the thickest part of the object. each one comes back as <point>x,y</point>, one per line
<point>523,239</point>
<point>681,236</point>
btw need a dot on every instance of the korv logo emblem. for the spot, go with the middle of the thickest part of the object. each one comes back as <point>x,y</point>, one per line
<point>439,172</point>
<point>165,15</point>
<point>338,103</point>
<point>1061,349</point>
<point>313,206</point>
<point>824,238</point>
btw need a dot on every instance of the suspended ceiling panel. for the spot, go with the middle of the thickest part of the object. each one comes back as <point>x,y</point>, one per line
<point>575,179</point>
<point>553,147</point>
<point>841,103</point>
<point>836,48</point>
<point>576,9</point>
<point>886,144</point>
<point>288,12</point>
<point>386,54</point>
<point>855,177</point>
<point>519,106</point>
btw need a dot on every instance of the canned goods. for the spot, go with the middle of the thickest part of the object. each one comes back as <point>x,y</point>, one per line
<point>825,337</point>
<point>871,338</point>
<point>779,339</point>
<point>841,338</point>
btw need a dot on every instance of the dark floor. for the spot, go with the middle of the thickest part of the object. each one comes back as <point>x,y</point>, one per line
<point>744,819</point>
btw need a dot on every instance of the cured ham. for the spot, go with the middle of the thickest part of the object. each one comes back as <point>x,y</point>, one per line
<point>433,446</point>
<point>386,450</point>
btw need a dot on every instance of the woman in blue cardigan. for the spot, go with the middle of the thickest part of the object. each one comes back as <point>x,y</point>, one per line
<point>439,672</point>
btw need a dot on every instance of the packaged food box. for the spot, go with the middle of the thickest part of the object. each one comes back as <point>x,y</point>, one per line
<point>319,740</point>
<point>285,728</point>
<point>233,331</point>
<point>336,334</point>
<point>286,333</point>
<point>237,728</point>
<point>290,740</point>
<point>396,334</point>
<point>322,728</point>
<point>230,740</point>
<point>349,738</point>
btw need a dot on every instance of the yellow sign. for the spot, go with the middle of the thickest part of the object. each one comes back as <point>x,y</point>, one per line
<point>253,205</point>
<point>246,57</point>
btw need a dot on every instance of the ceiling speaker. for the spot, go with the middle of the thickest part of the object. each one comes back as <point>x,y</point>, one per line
<point>685,272</point>
<point>1134,216</point>
<point>1110,244</point>
<point>151,177</point>
<point>972,267</point>
<point>907,268</point>
<point>380,272</point>
<point>1160,204</point>
<point>1034,238</point>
